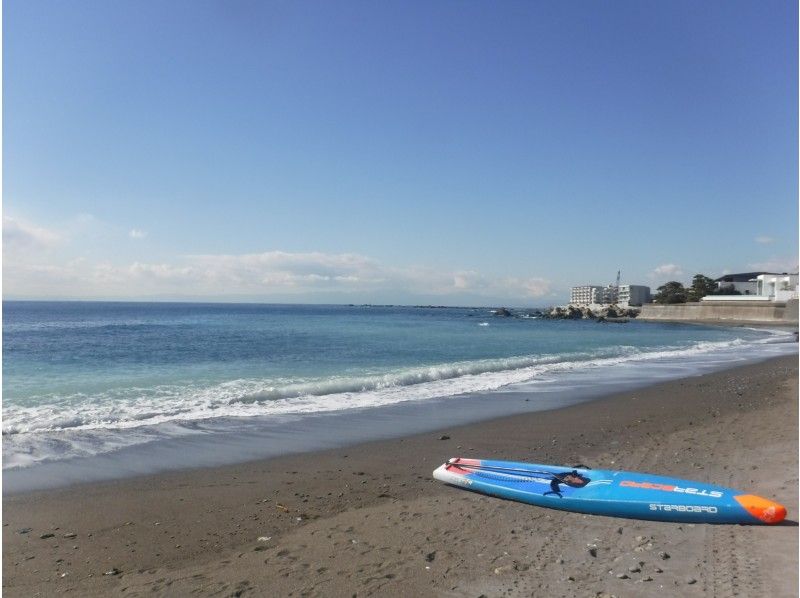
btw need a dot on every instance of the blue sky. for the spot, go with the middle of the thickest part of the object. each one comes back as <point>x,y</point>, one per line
<point>448,152</point>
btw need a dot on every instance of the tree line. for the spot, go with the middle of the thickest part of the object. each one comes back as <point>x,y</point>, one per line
<point>702,285</point>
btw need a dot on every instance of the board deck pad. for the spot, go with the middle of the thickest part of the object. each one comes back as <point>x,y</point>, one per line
<point>607,492</point>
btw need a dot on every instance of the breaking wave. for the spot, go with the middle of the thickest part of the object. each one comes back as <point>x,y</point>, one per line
<point>76,425</point>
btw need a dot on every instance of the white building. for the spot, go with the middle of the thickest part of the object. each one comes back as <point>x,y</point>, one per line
<point>744,283</point>
<point>777,287</point>
<point>762,287</point>
<point>609,295</point>
<point>586,295</point>
<point>626,295</point>
<point>633,294</point>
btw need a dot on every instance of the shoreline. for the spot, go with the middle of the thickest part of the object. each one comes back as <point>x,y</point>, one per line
<point>370,519</point>
<point>228,440</point>
<point>787,326</point>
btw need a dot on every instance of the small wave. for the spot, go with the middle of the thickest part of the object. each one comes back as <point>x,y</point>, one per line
<point>134,408</point>
<point>251,397</point>
<point>80,426</point>
<point>79,325</point>
<point>776,336</point>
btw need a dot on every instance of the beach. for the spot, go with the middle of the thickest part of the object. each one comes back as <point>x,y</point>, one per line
<point>370,520</point>
<point>298,302</point>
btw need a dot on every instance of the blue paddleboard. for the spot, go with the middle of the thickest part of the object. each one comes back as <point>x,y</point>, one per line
<point>611,493</point>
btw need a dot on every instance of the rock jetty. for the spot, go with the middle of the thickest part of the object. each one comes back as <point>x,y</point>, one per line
<point>610,313</point>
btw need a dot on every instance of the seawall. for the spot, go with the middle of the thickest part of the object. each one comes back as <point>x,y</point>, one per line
<point>751,312</point>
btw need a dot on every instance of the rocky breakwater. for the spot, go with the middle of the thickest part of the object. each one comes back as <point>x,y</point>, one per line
<point>607,314</point>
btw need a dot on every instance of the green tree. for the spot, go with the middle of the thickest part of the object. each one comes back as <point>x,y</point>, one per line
<point>671,292</point>
<point>702,285</point>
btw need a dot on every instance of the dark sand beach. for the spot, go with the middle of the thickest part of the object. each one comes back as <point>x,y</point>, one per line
<point>370,520</point>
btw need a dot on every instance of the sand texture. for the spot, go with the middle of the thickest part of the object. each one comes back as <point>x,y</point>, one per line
<point>370,520</point>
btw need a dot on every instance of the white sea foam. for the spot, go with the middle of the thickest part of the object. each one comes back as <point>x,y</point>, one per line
<point>84,425</point>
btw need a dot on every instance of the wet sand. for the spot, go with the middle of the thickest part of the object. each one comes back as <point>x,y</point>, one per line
<point>370,520</point>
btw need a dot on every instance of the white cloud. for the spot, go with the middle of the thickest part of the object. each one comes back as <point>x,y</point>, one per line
<point>135,233</point>
<point>666,270</point>
<point>280,270</point>
<point>464,280</point>
<point>764,240</point>
<point>536,287</point>
<point>20,235</point>
<point>488,286</point>
<point>268,274</point>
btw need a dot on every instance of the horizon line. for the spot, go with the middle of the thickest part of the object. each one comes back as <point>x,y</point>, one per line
<point>252,302</point>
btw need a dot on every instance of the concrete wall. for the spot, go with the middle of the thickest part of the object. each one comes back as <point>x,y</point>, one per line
<point>760,312</point>
<point>790,313</point>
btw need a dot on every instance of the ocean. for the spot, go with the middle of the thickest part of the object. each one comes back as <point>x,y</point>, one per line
<point>95,390</point>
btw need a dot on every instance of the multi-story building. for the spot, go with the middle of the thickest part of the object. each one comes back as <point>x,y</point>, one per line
<point>609,295</point>
<point>633,294</point>
<point>626,294</point>
<point>585,295</point>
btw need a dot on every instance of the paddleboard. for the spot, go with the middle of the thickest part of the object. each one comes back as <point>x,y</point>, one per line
<point>612,493</point>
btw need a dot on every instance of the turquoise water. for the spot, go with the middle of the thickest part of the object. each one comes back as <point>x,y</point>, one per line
<point>82,379</point>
